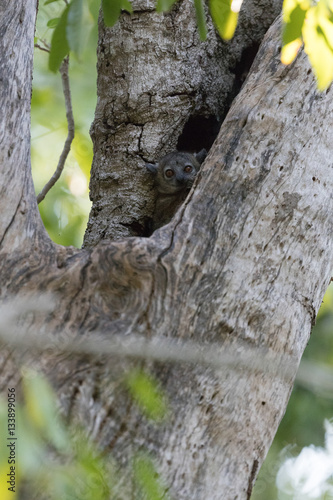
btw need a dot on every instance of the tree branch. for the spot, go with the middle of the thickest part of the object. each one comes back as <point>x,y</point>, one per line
<point>70,136</point>
<point>44,49</point>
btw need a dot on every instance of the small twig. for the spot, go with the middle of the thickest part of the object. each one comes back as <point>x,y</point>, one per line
<point>70,136</point>
<point>41,48</point>
<point>46,47</point>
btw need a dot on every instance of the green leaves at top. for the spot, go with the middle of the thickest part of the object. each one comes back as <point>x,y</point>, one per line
<point>94,7</point>
<point>112,9</point>
<point>313,25</point>
<point>67,34</point>
<point>59,45</point>
<point>225,16</point>
<point>68,29</point>
<point>74,26</point>
<point>318,42</point>
<point>294,12</point>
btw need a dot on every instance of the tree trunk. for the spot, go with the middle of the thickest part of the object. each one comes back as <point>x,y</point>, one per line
<point>160,88</point>
<point>242,268</point>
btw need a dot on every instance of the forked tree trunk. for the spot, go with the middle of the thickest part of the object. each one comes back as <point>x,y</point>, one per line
<point>242,268</point>
<point>160,88</point>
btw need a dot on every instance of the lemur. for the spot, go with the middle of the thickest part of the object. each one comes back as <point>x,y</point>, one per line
<point>174,175</point>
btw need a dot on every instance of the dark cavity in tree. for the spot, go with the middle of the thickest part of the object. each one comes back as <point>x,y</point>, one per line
<point>199,132</point>
<point>242,68</point>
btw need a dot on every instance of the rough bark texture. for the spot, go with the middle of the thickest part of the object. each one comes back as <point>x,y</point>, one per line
<point>160,88</point>
<point>244,265</point>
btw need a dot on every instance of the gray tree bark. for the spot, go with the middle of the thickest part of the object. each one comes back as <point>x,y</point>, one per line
<point>242,267</point>
<point>160,88</point>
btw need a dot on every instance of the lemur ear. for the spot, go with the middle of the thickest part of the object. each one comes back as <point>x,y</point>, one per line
<point>152,168</point>
<point>201,155</point>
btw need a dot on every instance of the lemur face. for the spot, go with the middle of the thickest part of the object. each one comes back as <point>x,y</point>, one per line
<point>176,171</point>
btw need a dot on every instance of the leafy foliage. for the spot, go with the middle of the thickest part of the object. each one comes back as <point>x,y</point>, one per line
<point>147,394</point>
<point>66,208</point>
<point>52,23</point>
<point>147,479</point>
<point>112,9</point>
<point>225,16</point>
<point>59,44</point>
<point>69,28</point>
<point>311,24</point>
<point>53,459</point>
<point>68,33</point>
<point>303,22</point>
<point>58,460</point>
<point>74,26</point>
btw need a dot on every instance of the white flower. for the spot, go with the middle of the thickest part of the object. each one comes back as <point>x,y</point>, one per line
<point>310,475</point>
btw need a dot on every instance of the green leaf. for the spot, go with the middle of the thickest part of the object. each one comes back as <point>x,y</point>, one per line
<point>126,5</point>
<point>293,16</point>
<point>74,26</point>
<point>224,17</point>
<point>325,19</point>
<point>164,5</point>
<point>327,28</point>
<point>146,476</point>
<point>318,49</point>
<point>290,50</point>
<point>50,1</point>
<point>53,23</point>
<point>201,19</point>
<point>147,394</point>
<point>32,445</point>
<point>41,409</point>
<point>111,11</point>
<point>294,12</point>
<point>94,6</point>
<point>59,43</point>
<point>290,5</point>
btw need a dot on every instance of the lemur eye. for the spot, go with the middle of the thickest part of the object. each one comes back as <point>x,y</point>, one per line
<point>188,168</point>
<point>169,173</point>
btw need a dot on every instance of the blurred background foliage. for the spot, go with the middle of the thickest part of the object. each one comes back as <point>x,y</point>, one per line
<point>56,460</point>
<point>66,208</point>
<point>302,424</point>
